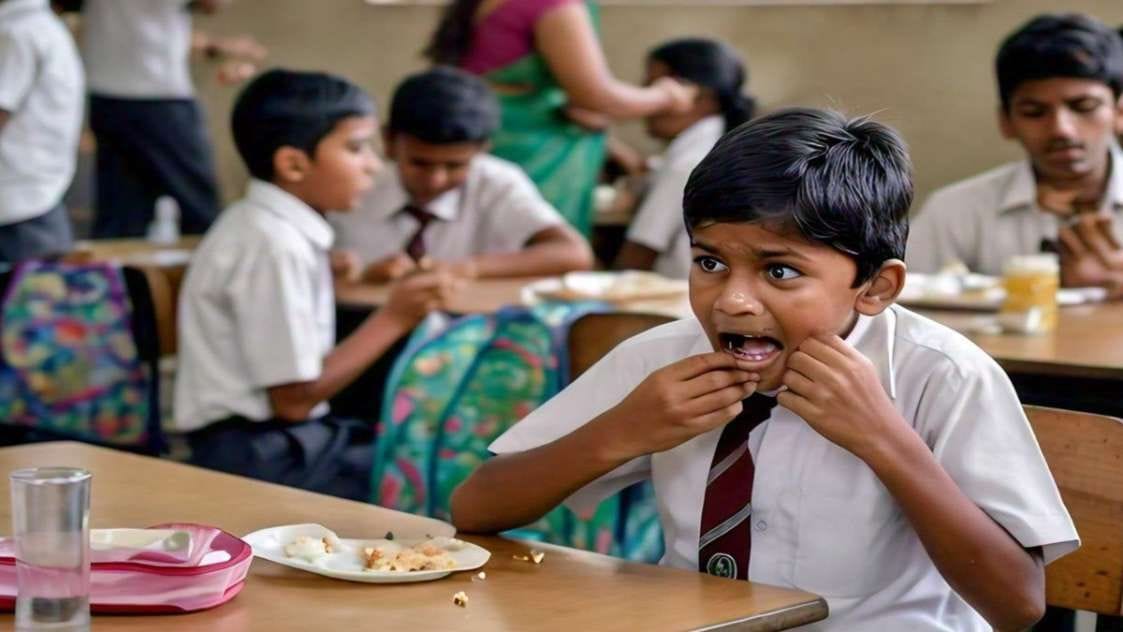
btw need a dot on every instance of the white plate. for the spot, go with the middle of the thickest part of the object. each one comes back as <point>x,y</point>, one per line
<point>613,287</point>
<point>269,544</point>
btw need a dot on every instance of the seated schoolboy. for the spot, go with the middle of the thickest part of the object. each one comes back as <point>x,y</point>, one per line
<point>657,239</point>
<point>447,200</point>
<point>257,355</point>
<point>1060,78</point>
<point>856,449</point>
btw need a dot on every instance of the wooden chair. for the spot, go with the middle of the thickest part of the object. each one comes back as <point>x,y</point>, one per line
<point>594,335</point>
<point>1085,453</point>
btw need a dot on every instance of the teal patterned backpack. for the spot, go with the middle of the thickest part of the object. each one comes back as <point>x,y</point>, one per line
<point>461,383</point>
<point>70,366</point>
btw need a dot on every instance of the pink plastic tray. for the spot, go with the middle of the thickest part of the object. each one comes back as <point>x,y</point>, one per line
<point>211,577</point>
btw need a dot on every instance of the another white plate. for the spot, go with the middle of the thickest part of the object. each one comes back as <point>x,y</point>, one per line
<point>613,287</point>
<point>270,543</point>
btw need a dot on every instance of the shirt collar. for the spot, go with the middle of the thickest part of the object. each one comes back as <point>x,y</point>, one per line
<point>12,7</point>
<point>292,211</point>
<point>1021,191</point>
<point>873,337</point>
<point>445,207</point>
<point>703,133</point>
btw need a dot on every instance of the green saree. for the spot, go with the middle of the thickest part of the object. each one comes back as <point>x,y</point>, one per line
<point>561,157</point>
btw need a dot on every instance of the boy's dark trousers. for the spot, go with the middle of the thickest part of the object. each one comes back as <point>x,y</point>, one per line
<point>329,455</point>
<point>147,148</point>
<point>41,236</point>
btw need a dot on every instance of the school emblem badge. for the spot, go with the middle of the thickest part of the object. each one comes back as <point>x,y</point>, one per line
<point>722,565</point>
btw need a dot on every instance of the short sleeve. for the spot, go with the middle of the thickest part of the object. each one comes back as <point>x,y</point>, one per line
<point>659,218</point>
<point>600,388</point>
<point>18,68</point>
<point>274,302</point>
<point>978,431</point>
<point>517,211</point>
<point>533,10</point>
<point>938,235</point>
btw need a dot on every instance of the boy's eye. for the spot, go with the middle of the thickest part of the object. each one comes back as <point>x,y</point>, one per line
<point>778,272</point>
<point>709,264</point>
<point>1085,106</point>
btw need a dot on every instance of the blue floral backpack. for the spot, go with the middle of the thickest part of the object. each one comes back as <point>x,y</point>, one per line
<point>70,366</point>
<point>461,383</point>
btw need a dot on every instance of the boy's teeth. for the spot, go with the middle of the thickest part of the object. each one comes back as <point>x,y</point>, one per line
<point>751,348</point>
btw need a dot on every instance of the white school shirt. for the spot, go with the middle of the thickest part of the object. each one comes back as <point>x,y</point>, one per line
<point>41,86</point>
<point>821,520</point>
<point>138,49</point>
<point>658,223</point>
<point>985,220</point>
<point>497,209</point>
<point>257,309</point>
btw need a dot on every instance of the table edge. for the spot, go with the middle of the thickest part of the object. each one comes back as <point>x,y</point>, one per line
<point>780,619</point>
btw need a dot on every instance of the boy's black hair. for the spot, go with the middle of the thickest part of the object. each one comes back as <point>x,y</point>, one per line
<point>844,183</point>
<point>1052,45</point>
<point>444,105</point>
<point>714,65</point>
<point>287,108</point>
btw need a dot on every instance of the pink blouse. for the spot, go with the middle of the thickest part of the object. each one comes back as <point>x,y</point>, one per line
<point>506,34</point>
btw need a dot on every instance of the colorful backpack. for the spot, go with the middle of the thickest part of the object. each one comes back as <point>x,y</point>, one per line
<point>461,383</point>
<point>69,362</point>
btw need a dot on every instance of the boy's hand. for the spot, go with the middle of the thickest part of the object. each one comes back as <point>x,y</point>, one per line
<point>389,269</point>
<point>1091,256</point>
<point>417,294</point>
<point>838,392</point>
<point>681,401</point>
<point>345,265</point>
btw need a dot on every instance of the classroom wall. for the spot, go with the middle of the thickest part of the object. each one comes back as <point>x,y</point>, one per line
<point>925,69</point>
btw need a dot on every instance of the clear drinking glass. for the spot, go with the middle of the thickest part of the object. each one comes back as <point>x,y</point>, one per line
<point>50,523</point>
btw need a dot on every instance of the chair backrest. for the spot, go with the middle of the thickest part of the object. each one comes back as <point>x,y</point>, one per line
<point>71,374</point>
<point>1085,454</point>
<point>594,335</point>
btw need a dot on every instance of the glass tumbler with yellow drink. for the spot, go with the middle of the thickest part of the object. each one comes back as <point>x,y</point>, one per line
<point>1031,283</point>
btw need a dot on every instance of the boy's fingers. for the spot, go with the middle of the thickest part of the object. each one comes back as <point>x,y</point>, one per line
<point>715,381</point>
<point>1071,241</point>
<point>716,400</point>
<point>812,368</point>
<point>703,363</point>
<point>798,383</point>
<point>798,404</point>
<point>719,417</point>
<point>823,350</point>
<point>1104,224</point>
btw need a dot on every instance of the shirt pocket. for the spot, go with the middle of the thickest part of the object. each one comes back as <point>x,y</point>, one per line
<point>853,539</point>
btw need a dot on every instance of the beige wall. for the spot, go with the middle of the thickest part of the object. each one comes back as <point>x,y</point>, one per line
<point>926,69</point>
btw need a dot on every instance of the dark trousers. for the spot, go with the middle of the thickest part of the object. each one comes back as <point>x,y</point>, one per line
<point>147,148</point>
<point>329,455</point>
<point>41,236</point>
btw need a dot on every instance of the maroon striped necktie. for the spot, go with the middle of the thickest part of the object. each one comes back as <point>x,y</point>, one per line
<point>725,538</point>
<point>415,247</point>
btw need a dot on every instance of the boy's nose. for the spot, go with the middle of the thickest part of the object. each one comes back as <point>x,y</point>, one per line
<point>1063,123</point>
<point>738,300</point>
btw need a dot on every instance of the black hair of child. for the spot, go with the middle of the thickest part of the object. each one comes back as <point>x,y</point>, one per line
<point>714,65</point>
<point>444,105</point>
<point>1068,45</point>
<point>843,182</point>
<point>287,108</point>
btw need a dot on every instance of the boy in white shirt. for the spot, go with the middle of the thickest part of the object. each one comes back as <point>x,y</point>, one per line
<point>41,95</point>
<point>1060,82</point>
<point>880,460</point>
<point>657,239</point>
<point>257,357</point>
<point>446,200</point>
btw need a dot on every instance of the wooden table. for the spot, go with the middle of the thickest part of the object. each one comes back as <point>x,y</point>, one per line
<point>1088,342</point>
<point>569,590</point>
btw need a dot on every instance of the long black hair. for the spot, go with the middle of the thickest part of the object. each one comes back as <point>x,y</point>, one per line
<point>453,37</point>
<point>712,65</point>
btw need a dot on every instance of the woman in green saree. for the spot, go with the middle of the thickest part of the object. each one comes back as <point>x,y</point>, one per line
<point>544,61</point>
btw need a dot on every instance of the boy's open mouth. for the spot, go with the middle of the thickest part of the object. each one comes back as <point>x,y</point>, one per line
<point>750,348</point>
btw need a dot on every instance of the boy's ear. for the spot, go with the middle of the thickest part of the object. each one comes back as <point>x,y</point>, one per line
<point>882,290</point>
<point>1004,124</point>
<point>290,164</point>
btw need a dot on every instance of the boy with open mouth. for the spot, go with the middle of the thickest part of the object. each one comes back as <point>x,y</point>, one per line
<point>803,430</point>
